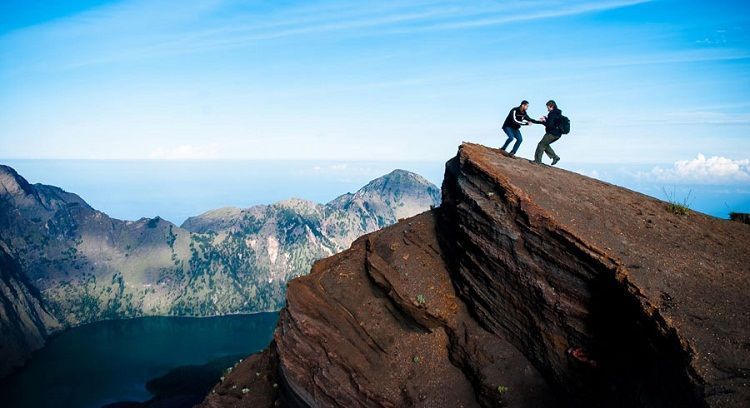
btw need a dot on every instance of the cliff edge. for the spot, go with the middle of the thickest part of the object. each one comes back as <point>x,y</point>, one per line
<point>529,286</point>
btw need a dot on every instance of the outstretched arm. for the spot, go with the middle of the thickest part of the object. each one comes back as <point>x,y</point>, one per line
<point>527,118</point>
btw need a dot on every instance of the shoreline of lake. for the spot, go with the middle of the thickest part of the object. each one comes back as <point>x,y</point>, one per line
<point>112,361</point>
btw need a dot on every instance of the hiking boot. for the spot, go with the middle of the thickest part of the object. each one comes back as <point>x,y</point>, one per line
<point>555,160</point>
<point>511,155</point>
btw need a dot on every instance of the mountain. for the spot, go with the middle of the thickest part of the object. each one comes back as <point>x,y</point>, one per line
<point>529,286</point>
<point>24,321</point>
<point>335,225</point>
<point>72,264</point>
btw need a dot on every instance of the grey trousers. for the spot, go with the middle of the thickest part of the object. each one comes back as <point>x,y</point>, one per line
<point>544,147</point>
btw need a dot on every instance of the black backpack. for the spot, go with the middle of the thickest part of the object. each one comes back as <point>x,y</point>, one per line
<point>564,125</point>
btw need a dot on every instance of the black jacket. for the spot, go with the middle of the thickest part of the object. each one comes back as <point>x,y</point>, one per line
<point>552,124</point>
<point>515,119</point>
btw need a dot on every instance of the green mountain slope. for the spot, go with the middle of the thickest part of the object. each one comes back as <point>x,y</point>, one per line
<point>80,265</point>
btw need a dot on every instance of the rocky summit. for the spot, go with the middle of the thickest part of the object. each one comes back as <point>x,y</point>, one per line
<point>63,263</point>
<point>529,286</point>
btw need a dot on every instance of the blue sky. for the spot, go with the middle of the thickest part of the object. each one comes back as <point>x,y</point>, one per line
<point>642,81</point>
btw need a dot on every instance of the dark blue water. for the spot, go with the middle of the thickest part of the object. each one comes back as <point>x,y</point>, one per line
<point>112,361</point>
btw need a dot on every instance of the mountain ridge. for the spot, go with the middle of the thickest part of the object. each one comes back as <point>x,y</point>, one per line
<point>89,266</point>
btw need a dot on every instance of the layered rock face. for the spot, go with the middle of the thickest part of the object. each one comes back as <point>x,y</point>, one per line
<point>529,286</point>
<point>380,325</point>
<point>655,304</point>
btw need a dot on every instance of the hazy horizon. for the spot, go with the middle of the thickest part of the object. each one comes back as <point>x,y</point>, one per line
<point>177,189</point>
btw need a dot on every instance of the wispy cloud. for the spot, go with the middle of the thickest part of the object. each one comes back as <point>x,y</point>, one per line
<point>149,29</point>
<point>667,118</point>
<point>551,10</point>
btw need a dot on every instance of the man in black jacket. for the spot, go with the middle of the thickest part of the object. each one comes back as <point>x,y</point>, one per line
<point>553,132</point>
<point>516,118</point>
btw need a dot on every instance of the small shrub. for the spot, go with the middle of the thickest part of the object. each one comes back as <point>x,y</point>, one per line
<point>677,207</point>
<point>420,300</point>
<point>502,389</point>
<point>740,217</point>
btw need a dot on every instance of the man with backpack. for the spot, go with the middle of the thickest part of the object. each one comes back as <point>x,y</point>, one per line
<point>555,125</point>
<point>516,118</point>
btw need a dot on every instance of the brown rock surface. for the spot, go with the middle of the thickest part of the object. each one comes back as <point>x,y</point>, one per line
<point>555,260</point>
<point>380,325</point>
<point>532,272</point>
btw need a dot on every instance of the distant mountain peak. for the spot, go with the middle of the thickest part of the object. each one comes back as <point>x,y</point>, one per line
<point>13,183</point>
<point>397,179</point>
<point>395,185</point>
<point>40,198</point>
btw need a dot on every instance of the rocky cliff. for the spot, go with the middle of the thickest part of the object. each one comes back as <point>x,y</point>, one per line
<point>529,286</point>
<point>65,263</point>
<point>24,321</point>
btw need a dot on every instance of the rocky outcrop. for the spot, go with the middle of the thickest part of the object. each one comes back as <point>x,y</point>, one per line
<point>24,322</point>
<point>380,325</point>
<point>80,265</point>
<point>529,286</point>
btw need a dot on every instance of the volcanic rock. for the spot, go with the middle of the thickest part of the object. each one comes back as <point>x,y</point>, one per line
<point>528,286</point>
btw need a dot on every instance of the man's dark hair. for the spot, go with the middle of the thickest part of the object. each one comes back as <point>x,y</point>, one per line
<point>524,102</point>
<point>552,103</point>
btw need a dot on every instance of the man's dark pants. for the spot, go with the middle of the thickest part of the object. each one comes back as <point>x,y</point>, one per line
<point>544,147</point>
<point>512,134</point>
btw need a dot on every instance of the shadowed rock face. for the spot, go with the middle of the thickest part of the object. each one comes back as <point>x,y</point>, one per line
<point>24,322</point>
<point>527,277</point>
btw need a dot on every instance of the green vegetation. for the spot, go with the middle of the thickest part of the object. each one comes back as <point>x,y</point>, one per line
<point>740,217</point>
<point>171,237</point>
<point>676,206</point>
<point>241,268</point>
<point>502,389</point>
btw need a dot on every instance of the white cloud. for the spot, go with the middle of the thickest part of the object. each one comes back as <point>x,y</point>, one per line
<point>339,166</point>
<point>186,152</point>
<point>589,173</point>
<point>703,170</point>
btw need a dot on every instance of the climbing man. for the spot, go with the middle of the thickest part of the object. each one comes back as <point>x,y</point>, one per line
<point>517,117</point>
<point>555,125</point>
